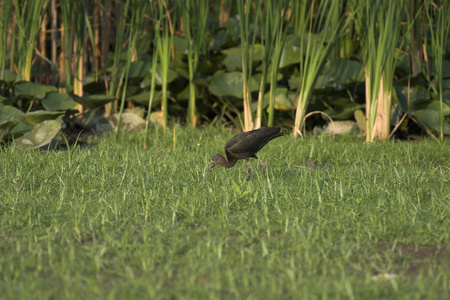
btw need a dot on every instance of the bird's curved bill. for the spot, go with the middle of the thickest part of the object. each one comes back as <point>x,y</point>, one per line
<point>211,165</point>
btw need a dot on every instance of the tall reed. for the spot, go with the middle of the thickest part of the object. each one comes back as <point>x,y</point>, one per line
<point>320,39</point>
<point>76,23</point>
<point>121,11</point>
<point>273,34</point>
<point>439,27</point>
<point>415,20</point>
<point>154,13</point>
<point>138,12</point>
<point>378,23</point>
<point>165,41</point>
<point>194,14</point>
<point>5,21</point>
<point>28,18</point>
<point>247,48</point>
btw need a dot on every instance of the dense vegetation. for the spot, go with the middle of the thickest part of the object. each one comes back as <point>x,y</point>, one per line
<point>116,221</point>
<point>130,215</point>
<point>248,63</point>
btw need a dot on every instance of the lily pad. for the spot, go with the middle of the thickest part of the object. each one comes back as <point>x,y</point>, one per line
<point>430,118</point>
<point>360,120</point>
<point>93,101</point>
<point>19,129</point>
<point>39,116</point>
<point>10,113</point>
<point>31,90</point>
<point>6,101</point>
<point>180,44</point>
<point>344,114</point>
<point>408,96</point>
<point>41,135</point>
<point>139,69</point>
<point>291,53</point>
<point>344,71</point>
<point>5,128</point>
<point>230,84</point>
<point>289,56</point>
<point>233,57</point>
<point>8,77</point>
<point>282,102</point>
<point>58,101</point>
<point>143,97</point>
<point>184,94</point>
<point>434,105</point>
<point>325,82</point>
<point>258,77</point>
<point>147,81</point>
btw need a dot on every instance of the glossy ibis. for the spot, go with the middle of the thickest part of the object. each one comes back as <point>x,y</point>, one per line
<point>244,146</point>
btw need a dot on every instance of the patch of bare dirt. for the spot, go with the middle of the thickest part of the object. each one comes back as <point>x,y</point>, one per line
<point>417,258</point>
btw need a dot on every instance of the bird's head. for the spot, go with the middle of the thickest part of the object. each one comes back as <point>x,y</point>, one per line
<point>214,160</point>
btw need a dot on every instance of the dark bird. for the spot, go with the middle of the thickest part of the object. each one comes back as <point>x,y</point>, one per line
<point>244,146</point>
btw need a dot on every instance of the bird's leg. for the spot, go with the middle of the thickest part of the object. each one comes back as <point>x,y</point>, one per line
<point>249,169</point>
<point>263,165</point>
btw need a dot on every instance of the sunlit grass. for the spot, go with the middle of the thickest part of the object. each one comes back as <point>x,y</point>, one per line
<point>117,221</point>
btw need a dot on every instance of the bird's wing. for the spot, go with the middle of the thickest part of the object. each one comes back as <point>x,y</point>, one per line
<point>250,142</point>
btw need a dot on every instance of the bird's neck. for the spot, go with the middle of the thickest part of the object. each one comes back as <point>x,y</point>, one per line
<point>227,163</point>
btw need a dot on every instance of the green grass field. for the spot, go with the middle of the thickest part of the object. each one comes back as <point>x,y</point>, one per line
<point>115,221</point>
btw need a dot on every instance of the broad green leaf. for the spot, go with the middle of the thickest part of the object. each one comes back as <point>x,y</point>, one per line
<point>58,101</point>
<point>10,113</point>
<point>143,97</point>
<point>20,129</point>
<point>146,82</point>
<point>293,40</point>
<point>180,44</point>
<point>435,106</point>
<point>224,38</point>
<point>39,116</point>
<point>294,82</point>
<point>93,101</point>
<point>258,77</point>
<point>233,57</point>
<point>206,67</point>
<point>430,118</point>
<point>184,94</point>
<point>344,71</point>
<point>5,128</point>
<point>6,101</point>
<point>289,56</point>
<point>229,84</point>
<point>8,77</point>
<point>360,120</point>
<point>325,82</point>
<point>139,69</point>
<point>292,48</point>
<point>446,96</point>
<point>31,90</point>
<point>41,135</point>
<point>282,102</point>
<point>414,94</point>
<point>343,114</point>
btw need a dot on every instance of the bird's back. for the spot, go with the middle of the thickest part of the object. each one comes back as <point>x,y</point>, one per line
<point>248,143</point>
